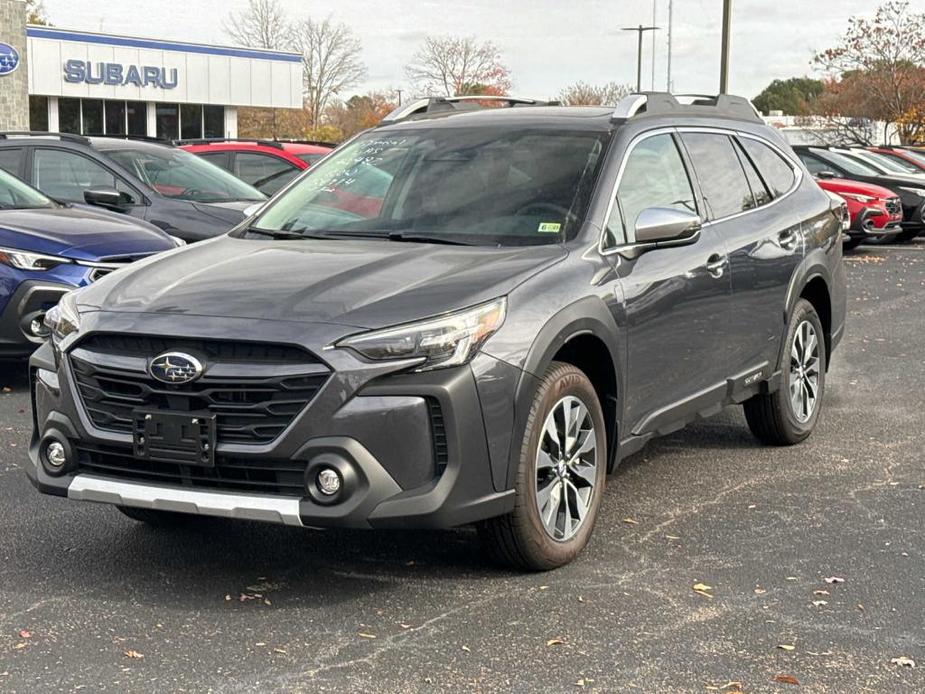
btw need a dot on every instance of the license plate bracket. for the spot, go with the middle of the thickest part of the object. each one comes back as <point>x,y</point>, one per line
<point>187,438</point>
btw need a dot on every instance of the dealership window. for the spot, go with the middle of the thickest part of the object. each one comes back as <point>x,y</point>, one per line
<point>213,121</point>
<point>69,115</point>
<point>136,117</point>
<point>115,117</point>
<point>168,121</point>
<point>38,113</point>
<point>190,121</point>
<point>92,115</point>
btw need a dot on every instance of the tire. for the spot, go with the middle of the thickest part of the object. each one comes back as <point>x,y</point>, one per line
<point>521,539</point>
<point>775,418</point>
<point>154,517</point>
<point>907,235</point>
<point>852,243</point>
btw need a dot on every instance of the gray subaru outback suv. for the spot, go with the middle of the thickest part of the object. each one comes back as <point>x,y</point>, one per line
<point>464,315</point>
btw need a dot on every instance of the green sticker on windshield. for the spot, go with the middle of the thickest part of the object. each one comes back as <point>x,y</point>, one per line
<point>549,228</point>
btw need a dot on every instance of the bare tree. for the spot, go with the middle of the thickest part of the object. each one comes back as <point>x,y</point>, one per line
<point>35,13</point>
<point>583,94</point>
<point>262,25</point>
<point>878,70</point>
<point>458,66</point>
<point>331,57</point>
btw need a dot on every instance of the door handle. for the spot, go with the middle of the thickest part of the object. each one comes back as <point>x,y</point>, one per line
<point>787,239</point>
<point>716,265</point>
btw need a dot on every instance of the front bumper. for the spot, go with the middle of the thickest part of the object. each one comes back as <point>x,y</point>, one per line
<point>372,423</point>
<point>30,301</point>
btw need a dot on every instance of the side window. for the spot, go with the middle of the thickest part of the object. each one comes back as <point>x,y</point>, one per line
<point>759,190</point>
<point>815,166</point>
<point>11,159</point>
<point>776,172</point>
<point>266,173</point>
<point>66,175</point>
<point>220,159</point>
<point>654,176</point>
<point>721,177</point>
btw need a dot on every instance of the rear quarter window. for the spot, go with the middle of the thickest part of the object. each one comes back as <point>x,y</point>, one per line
<point>777,173</point>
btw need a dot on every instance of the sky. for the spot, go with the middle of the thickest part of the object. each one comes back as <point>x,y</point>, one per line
<point>547,44</point>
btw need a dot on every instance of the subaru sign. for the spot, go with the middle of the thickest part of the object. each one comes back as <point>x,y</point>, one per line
<point>9,58</point>
<point>116,74</point>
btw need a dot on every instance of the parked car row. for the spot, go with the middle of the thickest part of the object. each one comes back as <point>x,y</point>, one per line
<point>872,181</point>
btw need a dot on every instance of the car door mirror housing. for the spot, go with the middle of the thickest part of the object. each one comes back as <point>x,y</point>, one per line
<point>106,196</point>
<point>667,226</point>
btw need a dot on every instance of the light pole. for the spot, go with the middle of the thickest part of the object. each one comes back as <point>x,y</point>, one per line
<point>724,56</point>
<point>640,30</point>
<point>670,29</point>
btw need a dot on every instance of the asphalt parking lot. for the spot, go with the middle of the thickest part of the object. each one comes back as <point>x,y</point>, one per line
<point>811,560</point>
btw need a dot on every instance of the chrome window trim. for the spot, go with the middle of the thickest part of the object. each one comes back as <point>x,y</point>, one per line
<point>797,179</point>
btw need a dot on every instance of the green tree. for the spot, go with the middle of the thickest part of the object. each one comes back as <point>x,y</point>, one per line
<point>795,96</point>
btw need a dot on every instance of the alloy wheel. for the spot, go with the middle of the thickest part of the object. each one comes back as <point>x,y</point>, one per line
<point>804,372</point>
<point>566,468</point>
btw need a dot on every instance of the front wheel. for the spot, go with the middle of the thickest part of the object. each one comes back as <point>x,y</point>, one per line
<point>789,414</point>
<point>560,477</point>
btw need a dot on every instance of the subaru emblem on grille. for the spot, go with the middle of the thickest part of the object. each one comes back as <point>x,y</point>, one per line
<point>175,368</point>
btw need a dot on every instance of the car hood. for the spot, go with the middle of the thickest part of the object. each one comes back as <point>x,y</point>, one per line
<point>80,233</point>
<point>230,212</point>
<point>360,283</point>
<point>841,185</point>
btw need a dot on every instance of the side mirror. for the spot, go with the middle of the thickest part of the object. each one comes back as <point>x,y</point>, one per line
<point>105,196</point>
<point>253,209</point>
<point>666,225</point>
<point>825,175</point>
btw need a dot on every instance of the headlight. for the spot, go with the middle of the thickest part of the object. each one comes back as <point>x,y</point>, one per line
<point>25,260</point>
<point>915,191</point>
<point>439,342</point>
<point>63,321</point>
<point>864,199</point>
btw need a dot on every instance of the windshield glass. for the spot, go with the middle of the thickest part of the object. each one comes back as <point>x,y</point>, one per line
<point>484,186</point>
<point>175,173</point>
<point>893,164</point>
<point>15,194</point>
<point>850,164</point>
<point>918,157</point>
<point>311,157</point>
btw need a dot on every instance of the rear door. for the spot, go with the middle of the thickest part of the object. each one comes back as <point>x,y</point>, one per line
<point>744,182</point>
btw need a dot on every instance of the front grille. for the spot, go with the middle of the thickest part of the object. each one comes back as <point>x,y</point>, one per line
<point>438,436</point>
<point>263,476</point>
<point>255,390</point>
<point>894,206</point>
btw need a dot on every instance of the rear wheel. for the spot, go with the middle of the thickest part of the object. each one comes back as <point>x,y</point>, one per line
<point>789,414</point>
<point>154,517</point>
<point>560,478</point>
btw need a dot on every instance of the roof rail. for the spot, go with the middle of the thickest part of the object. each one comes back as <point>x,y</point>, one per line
<point>220,140</point>
<point>662,102</point>
<point>434,105</point>
<point>139,138</point>
<point>317,143</point>
<point>68,137</point>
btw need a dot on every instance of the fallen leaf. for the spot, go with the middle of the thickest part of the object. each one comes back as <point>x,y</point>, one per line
<point>133,654</point>
<point>903,661</point>
<point>786,679</point>
<point>702,586</point>
<point>19,646</point>
<point>25,634</point>
<point>554,642</point>
<point>544,587</point>
<point>760,591</point>
<point>260,644</point>
<point>227,598</point>
<point>580,599</point>
<point>820,592</point>
<point>834,579</point>
<point>405,626</point>
<point>281,651</point>
<point>631,521</point>
<point>466,649</point>
<point>364,635</point>
<point>820,603</point>
<point>7,390</point>
<point>791,578</point>
<point>672,537</point>
<point>583,682</point>
<point>786,647</point>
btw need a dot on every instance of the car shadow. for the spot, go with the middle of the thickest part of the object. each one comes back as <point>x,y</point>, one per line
<point>14,374</point>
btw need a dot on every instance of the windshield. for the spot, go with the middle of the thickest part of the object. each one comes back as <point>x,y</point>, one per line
<point>918,157</point>
<point>850,164</point>
<point>893,164</point>
<point>15,194</point>
<point>482,186</point>
<point>175,173</point>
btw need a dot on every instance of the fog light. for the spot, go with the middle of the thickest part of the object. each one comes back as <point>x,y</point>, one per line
<point>38,328</point>
<point>328,481</point>
<point>55,454</point>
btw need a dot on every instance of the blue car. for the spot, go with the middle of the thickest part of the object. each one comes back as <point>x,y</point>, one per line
<point>48,249</point>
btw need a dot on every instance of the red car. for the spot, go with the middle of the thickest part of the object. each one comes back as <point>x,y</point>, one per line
<point>876,212</point>
<point>268,165</point>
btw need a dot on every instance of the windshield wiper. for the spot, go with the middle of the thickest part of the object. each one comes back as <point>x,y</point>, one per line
<point>276,234</point>
<point>426,238</point>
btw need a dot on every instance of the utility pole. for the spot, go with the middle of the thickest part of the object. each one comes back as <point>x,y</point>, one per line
<point>668,86</point>
<point>399,95</point>
<point>724,57</point>
<point>640,30</point>
<point>654,20</point>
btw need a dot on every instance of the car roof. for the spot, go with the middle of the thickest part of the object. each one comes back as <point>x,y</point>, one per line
<point>112,143</point>
<point>290,147</point>
<point>578,117</point>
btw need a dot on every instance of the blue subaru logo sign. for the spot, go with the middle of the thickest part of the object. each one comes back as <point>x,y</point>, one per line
<point>175,367</point>
<point>9,58</point>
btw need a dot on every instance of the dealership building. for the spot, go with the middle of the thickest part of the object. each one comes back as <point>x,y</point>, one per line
<point>103,84</point>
